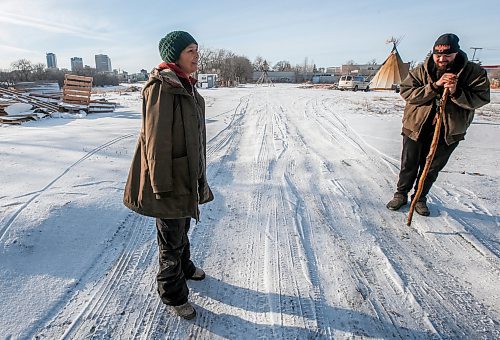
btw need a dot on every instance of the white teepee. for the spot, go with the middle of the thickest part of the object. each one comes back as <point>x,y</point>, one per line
<point>393,71</point>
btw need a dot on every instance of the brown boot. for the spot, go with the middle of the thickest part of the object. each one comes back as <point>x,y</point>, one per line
<point>421,208</point>
<point>397,201</point>
<point>185,311</point>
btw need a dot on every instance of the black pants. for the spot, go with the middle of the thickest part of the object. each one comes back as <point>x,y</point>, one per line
<point>175,263</point>
<point>413,159</point>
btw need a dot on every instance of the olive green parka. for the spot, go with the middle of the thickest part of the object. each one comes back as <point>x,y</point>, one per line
<point>473,91</point>
<point>167,178</point>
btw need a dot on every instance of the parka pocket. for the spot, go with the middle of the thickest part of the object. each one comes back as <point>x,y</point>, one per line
<point>180,175</point>
<point>459,121</point>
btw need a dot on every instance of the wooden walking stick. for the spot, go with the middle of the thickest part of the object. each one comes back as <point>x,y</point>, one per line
<point>430,155</point>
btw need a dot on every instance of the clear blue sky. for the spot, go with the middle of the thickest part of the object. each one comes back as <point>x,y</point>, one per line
<point>328,33</point>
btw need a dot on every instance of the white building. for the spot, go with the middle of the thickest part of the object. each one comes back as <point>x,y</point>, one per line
<point>51,60</point>
<point>207,80</point>
<point>103,63</point>
<point>76,64</point>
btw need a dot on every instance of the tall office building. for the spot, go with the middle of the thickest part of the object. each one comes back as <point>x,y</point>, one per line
<point>51,60</point>
<point>102,63</point>
<point>76,64</point>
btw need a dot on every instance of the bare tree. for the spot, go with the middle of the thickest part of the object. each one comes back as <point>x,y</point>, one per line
<point>7,79</point>
<point>282,66</point>
<point>22,68</point>
<point>205,58</point>
<point>258,64</point>
<point>38,71</point>
<point>242,68</point>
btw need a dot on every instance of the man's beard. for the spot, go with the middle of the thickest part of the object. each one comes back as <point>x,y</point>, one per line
<point>446,67</point>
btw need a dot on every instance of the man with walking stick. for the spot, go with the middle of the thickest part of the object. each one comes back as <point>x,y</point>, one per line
<point>468,88</point>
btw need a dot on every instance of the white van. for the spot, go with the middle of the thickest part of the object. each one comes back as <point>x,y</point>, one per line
<point>353,83</point>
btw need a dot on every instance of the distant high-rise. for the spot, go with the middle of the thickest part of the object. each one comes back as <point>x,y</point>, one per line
<point>76,64</point>
<point>51,60</point>
<point>102,63</point>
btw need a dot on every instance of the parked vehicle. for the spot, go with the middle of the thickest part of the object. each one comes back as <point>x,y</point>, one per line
<point>353,83</point>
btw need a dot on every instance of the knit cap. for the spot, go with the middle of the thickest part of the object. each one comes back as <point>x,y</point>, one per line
<point>446,44</point>
<point>173,44</point>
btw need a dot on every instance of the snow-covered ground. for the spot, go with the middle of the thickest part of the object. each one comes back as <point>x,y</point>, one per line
<point>297,244</point>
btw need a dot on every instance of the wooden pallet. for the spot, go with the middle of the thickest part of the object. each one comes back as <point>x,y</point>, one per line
<point>76,89</point>
<point>22,98</point>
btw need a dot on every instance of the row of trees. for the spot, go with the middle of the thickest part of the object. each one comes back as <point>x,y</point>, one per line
<point>25,70</point>
<point>232,67</point>
<point>261,64</point>
<point>229,66</point>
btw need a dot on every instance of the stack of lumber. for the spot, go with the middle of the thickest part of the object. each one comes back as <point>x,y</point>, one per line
<point>23,98</point>
<point>76,92</point>
<point>10,97</point>
<point>3,104</point>
<point>101,106</point>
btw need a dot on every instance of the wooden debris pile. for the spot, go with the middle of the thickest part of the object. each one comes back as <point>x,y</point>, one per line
<point>101,106</point>
<point>44,100</point>
<point>39,108</point>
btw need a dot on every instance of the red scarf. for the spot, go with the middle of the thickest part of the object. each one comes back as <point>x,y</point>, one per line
<point>177,70</point>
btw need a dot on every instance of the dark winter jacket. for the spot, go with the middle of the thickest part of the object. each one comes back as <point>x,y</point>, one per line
<point>473,91</point>
<point>167,178</point>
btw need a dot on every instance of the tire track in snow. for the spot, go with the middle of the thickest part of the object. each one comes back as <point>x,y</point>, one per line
<point>107,306</point>
<point>466,229</point>
<point>395,271</point>
<point>5,228</point>
<point>302,201</point>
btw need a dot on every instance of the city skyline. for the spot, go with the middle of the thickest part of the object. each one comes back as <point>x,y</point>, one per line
<point>77,62</point>
<point>326,33</point>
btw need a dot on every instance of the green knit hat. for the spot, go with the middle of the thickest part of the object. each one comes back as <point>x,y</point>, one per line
<point>173,44</point>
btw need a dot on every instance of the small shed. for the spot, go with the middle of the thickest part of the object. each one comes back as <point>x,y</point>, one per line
<point>207,80</point>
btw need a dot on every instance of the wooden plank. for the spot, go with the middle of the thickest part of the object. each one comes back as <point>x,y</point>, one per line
<point>33,101</point>
<point>77,83</point>
<point>12,122</point>
<point>102,105</point>
<point>75,77</point>
<point>100,111</point>
<point>78,102</point>
<point>77,94</point>
<point>77,88</point>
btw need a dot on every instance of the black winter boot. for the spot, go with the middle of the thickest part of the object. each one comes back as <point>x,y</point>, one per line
<point>397,201</point>
<point>421,207</point>
<point>198,275</point>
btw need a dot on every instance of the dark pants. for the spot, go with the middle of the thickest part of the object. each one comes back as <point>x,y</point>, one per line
<point>174,257</point>
<point>413,160</point>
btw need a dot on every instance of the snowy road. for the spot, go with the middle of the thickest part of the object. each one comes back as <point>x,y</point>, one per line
<point>297,244</point>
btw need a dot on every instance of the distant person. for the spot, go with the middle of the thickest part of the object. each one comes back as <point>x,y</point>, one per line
<point>469,88</point>
<point>167,178</point>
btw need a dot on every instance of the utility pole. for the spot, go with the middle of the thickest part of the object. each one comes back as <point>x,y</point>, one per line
<point>474,55</point>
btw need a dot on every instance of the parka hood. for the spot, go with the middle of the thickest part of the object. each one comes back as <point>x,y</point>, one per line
<point>165,76</point>
<point>461,58</point>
